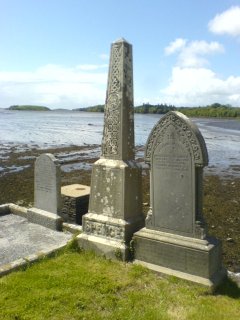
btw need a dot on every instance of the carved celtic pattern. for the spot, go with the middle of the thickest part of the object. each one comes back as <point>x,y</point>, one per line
<point>128,73</point>
<point>110,143</point>
<point>111,132</point>
<point>114,82</point>
<point>120,90</point>
<point>104,230</point>
<point>185,134</point>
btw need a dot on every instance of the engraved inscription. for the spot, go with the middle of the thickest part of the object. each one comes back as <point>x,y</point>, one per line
<point>168,162</point>
<point>172,183</point>
<point>103,229</point>
<point>45,178</point>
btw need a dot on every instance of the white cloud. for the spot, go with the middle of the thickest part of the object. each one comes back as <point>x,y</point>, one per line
<point>91,66</point>
<point>192,82</point>
<point>104,56</point>
<point>191,53</point>
<point>200,86</point>
<point>228,22</point>
<point>54,86</point>
<point>175,46</point>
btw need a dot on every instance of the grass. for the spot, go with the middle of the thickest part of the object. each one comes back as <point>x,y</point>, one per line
<point>80,285</point>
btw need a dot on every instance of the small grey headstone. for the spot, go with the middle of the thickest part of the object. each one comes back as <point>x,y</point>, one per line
<point>47,183</point>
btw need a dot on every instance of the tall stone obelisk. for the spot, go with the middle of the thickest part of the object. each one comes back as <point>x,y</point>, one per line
<point>115,208</point>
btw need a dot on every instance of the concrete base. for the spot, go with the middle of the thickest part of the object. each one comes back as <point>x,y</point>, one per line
<point>188,258</point>
<point>44,218</point>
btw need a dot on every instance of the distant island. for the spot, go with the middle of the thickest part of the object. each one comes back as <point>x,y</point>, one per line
<point>215,110</point>
<point>97,108</point>
<point>28,108</point>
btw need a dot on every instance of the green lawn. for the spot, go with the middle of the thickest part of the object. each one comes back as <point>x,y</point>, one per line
<point>79,285</point>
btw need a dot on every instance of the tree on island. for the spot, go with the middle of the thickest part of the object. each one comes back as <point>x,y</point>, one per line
<point>28,108</point>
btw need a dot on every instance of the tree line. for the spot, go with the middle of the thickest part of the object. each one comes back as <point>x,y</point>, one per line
<point>214,110</point>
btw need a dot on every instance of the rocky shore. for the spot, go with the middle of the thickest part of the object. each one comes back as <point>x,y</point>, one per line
<point>221,195</point>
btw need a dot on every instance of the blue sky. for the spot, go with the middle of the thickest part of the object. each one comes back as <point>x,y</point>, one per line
<point>56,52</point>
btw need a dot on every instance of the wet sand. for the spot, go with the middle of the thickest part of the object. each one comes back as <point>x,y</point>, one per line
<point>221,193</point>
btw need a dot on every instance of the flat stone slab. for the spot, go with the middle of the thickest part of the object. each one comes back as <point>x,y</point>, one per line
<point>22,240</point>
<point>75,190</point>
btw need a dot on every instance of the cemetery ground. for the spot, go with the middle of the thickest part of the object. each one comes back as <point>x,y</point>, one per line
<point>221,206</point>
<point>78,285</point>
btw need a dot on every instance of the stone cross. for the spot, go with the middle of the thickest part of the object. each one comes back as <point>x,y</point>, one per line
<point>47,183</point>
<point>174,240</point>
<point>115,207</point>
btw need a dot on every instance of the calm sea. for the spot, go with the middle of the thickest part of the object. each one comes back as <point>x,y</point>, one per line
<point>26,129</point>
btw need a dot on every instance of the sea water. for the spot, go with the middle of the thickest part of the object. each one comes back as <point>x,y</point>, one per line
<point>24,130</point>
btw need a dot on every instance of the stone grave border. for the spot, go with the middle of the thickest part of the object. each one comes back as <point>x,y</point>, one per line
<point>21,263</point>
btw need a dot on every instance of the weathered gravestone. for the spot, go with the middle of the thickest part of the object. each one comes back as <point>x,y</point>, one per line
<point>47,183</point>
<point>115,210</point>
<point>47,192</point>
<point>174,240</point>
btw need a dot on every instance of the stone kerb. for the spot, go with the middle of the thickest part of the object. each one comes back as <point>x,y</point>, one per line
<point>174,240</point>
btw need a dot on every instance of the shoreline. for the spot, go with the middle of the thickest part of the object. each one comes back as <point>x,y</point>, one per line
<point>221,206</point>
<point>135,112</point>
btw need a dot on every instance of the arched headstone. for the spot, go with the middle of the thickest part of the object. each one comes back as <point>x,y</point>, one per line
<point>47,193</point>
<point>175,240</point>
<point>47,183</point>
<point>177,153</point>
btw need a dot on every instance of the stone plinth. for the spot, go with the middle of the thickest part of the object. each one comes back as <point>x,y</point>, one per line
<point>115,210</point>
<point>115,204</point>
<point>197,260</point>
<point>75,199</point>
<point>175,239</point>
